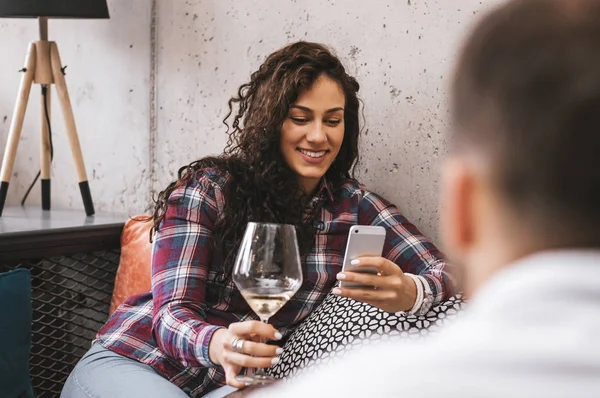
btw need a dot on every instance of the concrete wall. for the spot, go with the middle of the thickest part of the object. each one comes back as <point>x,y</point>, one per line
<point>150,88</point>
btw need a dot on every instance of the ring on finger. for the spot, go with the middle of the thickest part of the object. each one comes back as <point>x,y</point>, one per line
<point>237,345</point>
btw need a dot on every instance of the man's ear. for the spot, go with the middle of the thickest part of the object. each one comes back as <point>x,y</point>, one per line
<point>457,226</point>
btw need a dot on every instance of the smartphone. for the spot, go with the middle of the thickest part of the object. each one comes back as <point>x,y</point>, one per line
<point>363,241</point>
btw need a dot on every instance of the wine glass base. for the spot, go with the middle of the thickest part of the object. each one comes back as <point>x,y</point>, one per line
<point>256,379</point>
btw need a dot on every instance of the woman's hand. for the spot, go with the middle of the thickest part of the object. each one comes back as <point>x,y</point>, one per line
<point>392,290</point>
<point>253,353</point>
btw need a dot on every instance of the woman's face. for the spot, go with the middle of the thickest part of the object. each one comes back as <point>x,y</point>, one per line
<point>312,134</point>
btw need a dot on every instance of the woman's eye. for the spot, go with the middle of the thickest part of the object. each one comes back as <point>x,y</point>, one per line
<point>334,122</point>
<point>299,120</point>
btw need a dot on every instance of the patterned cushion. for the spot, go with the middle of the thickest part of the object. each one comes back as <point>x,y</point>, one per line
<point>341,323</point>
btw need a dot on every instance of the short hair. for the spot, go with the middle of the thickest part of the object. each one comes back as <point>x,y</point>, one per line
<point>526,95</point>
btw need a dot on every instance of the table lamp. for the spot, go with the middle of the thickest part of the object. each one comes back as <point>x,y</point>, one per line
<point>43,66</point>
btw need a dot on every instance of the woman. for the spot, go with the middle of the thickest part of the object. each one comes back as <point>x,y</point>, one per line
<point>291,148</point>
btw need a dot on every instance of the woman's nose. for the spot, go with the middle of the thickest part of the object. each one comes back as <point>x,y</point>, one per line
<point>317,134</point>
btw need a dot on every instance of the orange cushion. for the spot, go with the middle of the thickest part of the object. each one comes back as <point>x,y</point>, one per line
<point>134,272</point>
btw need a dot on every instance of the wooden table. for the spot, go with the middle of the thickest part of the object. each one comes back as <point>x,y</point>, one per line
<point>29,232</point>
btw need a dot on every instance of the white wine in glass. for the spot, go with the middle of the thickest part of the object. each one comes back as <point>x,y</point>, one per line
<point>268,273</point>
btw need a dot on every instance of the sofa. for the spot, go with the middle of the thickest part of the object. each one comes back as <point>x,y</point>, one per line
<point>337,325</point>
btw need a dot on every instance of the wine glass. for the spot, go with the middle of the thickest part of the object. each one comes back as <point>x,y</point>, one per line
<point>268,273</point>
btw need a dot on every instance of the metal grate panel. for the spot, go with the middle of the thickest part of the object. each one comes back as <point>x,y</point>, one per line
<point>70,300</point>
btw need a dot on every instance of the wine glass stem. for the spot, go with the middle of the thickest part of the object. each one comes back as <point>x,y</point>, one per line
<point>261,371</point>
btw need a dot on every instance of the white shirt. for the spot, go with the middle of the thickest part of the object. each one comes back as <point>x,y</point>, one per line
<point>532,331</point>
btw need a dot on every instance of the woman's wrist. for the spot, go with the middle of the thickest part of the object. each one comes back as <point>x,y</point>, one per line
<point>424,299</point>
<point>215,347</point>
<point>418,294</point>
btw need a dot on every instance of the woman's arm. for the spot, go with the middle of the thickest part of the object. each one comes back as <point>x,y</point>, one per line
<point>180,263</point>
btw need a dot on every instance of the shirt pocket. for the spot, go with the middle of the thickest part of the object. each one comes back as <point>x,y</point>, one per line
<point>334,234</point>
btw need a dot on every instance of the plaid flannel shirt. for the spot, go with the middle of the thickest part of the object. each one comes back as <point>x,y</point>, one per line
<point>170,328</point>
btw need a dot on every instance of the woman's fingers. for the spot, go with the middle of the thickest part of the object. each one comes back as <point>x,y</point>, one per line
<point>385,266</point>
<point>247,361</point>
<point>390,276</point>
<point>368,295</point>
<point>359,277</point>
<point>256,349</point>
<point>249,328</point>
<point>254,354</point>
<point>231,373</point>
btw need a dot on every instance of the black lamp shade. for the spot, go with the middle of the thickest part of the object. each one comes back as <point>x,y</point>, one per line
<point>53,8</point>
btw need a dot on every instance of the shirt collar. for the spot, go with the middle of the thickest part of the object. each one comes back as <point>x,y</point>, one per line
<point>324,189</point>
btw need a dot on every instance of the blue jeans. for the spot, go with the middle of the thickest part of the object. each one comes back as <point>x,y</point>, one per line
<point>102,373</point>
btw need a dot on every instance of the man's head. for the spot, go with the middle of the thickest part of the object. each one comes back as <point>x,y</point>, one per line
<point>523,173</point>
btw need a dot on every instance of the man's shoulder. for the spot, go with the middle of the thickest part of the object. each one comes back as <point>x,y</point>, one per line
<point>469,357</point>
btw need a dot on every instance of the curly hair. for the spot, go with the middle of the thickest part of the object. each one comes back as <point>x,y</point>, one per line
<point>262,187</point>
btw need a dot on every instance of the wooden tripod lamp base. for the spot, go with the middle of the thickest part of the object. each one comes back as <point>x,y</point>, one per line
<point>43,66</point>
